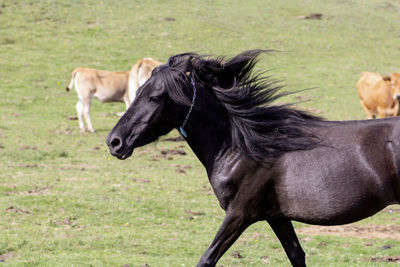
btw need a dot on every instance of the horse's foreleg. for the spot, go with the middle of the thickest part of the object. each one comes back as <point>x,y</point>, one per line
<point>231,228</point>
<point>284,230</point>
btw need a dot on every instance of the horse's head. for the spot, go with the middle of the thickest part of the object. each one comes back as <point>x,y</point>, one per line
<point>163,102</point>
<point>159,107</point>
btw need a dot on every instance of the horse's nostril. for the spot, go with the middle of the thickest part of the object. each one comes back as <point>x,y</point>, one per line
<point>116,143</point>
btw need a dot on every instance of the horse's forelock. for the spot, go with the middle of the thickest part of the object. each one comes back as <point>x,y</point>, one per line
<point>176,83</point>
<point>181,68</point>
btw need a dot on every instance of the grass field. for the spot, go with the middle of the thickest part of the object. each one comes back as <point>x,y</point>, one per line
<point>64,201</point>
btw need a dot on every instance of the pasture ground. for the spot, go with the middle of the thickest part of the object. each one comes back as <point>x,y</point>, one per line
<point>64,201</point>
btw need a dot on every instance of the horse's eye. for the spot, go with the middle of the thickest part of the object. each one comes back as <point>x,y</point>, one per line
<point>154,99</point>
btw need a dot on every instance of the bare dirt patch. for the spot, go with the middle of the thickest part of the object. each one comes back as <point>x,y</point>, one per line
<point>237,255</point>
<point>360,231</point>
<point>35,192</point>
<point>173,152</point>
<point>181,168</point>
<point>76,179</point>
<point>166,154</point>
<point>17,210</point>
<point>66,221</point>
<point>72,117</point>
<point>23,165</point>
<point>28,148</point>
<point>67,131</point>
<point>173,139</point>
<point>190,214</point>
<point>81,167</point>
<point>313,110</point>
<point>143,181</point>
<point>385,259</point>
<point>317,16</point>
<point>169,19</point>
<point>6,256</point>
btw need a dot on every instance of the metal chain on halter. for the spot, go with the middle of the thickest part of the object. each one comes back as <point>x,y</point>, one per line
<point>181,130</point>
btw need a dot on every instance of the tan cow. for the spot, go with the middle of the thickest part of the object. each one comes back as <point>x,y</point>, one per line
<point>395,79</point>
<point>139,74</point>
<point>107,86</point>
<point>379,95</point>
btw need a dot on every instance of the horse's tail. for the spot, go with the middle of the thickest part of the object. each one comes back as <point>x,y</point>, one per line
<point>71,84</point>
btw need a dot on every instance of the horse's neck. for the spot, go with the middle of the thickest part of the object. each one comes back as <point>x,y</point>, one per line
<point>208,138</point>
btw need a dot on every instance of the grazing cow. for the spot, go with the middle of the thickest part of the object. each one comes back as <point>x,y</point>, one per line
<point>395,78</point>
<point>139,74</point>
<point>379,95</point>
<point>107,86</point>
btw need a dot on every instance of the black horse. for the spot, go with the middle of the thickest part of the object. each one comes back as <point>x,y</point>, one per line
<point>264,162</point>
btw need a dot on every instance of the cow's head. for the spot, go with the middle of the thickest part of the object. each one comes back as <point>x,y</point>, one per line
<point>395,83</point>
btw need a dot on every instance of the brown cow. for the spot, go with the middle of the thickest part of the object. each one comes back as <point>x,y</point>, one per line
<point>139,74</point>
<point>379,95</point>
<point>107,86</point>
<point>395,78</point>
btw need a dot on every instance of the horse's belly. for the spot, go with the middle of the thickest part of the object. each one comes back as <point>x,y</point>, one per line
<point>333,213</point>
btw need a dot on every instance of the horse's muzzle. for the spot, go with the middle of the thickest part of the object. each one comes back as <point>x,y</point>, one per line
<point>117,147</point>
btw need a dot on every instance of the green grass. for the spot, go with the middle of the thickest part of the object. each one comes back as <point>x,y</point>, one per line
<point>64,201</point>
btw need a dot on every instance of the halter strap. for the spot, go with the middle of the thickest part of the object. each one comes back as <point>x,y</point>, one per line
<point>181,130</point>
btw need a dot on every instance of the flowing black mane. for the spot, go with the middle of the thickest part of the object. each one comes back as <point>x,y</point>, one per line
<point>259,129</point>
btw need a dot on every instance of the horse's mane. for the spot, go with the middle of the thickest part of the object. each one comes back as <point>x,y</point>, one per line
<point>259,129</point>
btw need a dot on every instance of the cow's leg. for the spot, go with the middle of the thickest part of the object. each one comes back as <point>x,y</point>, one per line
<point>86,114</point>
<point>127,101</point>
<point>370,115</point>
<point>232,227</point>
<point>79,111</point>
<point>284,230</point>
<point>394,110</point>
<point>382,112</point>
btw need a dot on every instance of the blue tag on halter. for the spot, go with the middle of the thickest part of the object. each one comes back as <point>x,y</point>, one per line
<point>183,133</point>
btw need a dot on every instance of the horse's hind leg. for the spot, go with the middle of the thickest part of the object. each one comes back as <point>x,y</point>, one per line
<point>284,230</point>
<point>233,226</point>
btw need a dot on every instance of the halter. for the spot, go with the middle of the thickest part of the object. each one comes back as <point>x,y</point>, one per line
<point>181,130</point>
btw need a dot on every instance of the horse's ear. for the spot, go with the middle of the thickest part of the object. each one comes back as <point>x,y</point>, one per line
<point>187,65</point>
<point>182,62</point>
<point>242,64</point>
